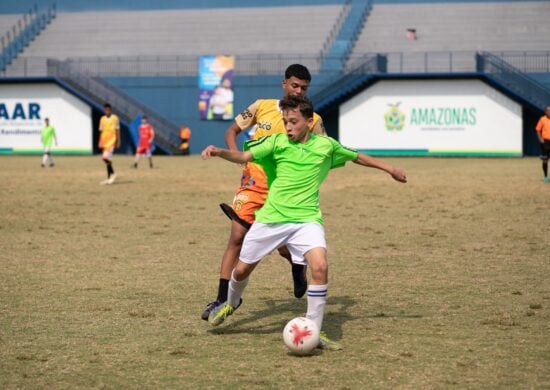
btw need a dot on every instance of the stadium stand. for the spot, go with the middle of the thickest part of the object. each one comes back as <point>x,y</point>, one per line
<point>7,22</point>
<point>150,54</point>
<point>189,32</point>
<point>489,26</point>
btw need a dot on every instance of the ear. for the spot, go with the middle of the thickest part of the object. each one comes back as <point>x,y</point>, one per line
<point>283,84</point>
<point>310,122</point>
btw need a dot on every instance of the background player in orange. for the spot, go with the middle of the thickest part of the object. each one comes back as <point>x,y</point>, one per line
<point>146,137</point>
<point>185,135</point>
<point>267,116</point>
<point>543,132</point>
<point>109,127</point>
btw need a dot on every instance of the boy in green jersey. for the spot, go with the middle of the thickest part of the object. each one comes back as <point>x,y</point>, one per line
<point>48,136</point>
<point>296,164</point>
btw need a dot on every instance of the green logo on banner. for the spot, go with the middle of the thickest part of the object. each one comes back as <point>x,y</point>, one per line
<point>395,118</point>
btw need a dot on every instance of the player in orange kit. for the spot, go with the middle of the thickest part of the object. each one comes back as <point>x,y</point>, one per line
<point>146,137</point>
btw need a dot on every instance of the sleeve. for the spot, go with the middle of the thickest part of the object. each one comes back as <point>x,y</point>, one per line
<point>247,118</point>
<point>262,147</point>
<point>318,125</point>
<point>341,154</point>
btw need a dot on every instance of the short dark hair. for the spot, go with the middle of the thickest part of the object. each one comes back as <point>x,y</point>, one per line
<point>106,105</point>
<point>144,117</point>
<point>298,71</point>
<point>300,102</point>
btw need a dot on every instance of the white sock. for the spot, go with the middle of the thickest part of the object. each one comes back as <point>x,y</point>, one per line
<point>316,299</point>
<point>235,291</point>
<point>44,159</point>
<point>50,158</point>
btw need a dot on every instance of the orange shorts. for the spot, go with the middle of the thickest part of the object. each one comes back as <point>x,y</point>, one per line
<point>252,193</point>
<point>246,202</point>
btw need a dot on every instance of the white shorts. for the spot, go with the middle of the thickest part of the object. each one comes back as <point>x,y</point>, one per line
<point>47,149</point>
<point>108,153</point>
<point>263,238</point>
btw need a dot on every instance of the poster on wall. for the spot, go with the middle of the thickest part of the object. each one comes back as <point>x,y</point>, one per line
<point>432,117</point>
<point>216,87</point>
<point>23,110</point>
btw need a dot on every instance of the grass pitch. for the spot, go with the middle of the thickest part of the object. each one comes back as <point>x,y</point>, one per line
<point>442,282</point>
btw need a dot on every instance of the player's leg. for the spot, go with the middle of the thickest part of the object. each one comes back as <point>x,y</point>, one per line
<point>50,159</point>
<point>299,273</point>
<point>308,244</point>
<point>106,157</point>
<point>230,259</point>
<point>260,240</point>
<point>136,159</point>
<point>44,158</point>
<point>545,155</point>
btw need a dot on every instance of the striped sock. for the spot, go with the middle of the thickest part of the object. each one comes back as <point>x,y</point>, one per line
<point>316,299</point>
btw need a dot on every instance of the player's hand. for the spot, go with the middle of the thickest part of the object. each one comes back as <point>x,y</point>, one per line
<point>399,175</point>
<point>209,151</point>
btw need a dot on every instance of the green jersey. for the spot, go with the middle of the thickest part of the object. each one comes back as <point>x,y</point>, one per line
<point>48,134</point>
<point>295,172</point>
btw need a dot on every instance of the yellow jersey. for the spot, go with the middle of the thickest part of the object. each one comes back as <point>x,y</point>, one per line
<point>108,127</point>
<point>268,118</point>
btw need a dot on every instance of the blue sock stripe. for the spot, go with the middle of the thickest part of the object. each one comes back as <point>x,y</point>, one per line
<point>321,293</point>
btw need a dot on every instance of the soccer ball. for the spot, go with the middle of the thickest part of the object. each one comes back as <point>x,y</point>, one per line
<point>301,336</point>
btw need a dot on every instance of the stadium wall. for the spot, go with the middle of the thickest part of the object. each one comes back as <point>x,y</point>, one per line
<point>177,99</point>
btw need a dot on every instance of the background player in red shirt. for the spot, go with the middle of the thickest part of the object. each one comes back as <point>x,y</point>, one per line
<point>146,136</point>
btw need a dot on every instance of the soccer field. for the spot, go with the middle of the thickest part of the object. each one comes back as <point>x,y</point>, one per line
<point>441,282</point>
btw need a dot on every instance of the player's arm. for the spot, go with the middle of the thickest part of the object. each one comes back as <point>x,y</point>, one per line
<point>117,133</point>
<point>368,161</point>
<point>244,120</point>
<point>152,135</point>
<point>538,129</point>
<point>235,156</point>
<point>231,136</point>
<point>55,138</point>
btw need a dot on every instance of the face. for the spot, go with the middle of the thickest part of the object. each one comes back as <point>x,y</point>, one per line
<point>547,111</point>
<point>107,111</point>
<point>144,120</point>
<point>297,127</point>
<point>47,121</point>
<point>295,87</point>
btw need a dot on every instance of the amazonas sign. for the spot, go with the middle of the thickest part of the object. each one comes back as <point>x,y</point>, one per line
<point>436,117</point>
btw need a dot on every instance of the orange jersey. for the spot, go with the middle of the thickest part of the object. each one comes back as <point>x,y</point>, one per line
<point>543,127</point>
<point>108,127</point>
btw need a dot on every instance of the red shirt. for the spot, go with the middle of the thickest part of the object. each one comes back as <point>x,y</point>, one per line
<point>146,134</point>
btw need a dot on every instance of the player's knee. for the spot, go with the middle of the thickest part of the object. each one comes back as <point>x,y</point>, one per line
<point>242,271</point>
<point>319,270</point>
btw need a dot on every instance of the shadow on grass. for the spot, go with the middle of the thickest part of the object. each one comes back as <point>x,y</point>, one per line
<point>332,323</point>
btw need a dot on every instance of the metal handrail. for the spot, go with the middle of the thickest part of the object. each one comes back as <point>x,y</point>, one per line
<point>514,79</point>
<point>126,107</point>
<point>23,32</point>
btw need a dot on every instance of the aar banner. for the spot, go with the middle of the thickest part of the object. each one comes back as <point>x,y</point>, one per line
<point>216,87</point>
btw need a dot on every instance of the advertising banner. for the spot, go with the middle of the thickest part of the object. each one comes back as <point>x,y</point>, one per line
<point>216,87</point>
<point>23,109</point>
<point>432,117</point>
